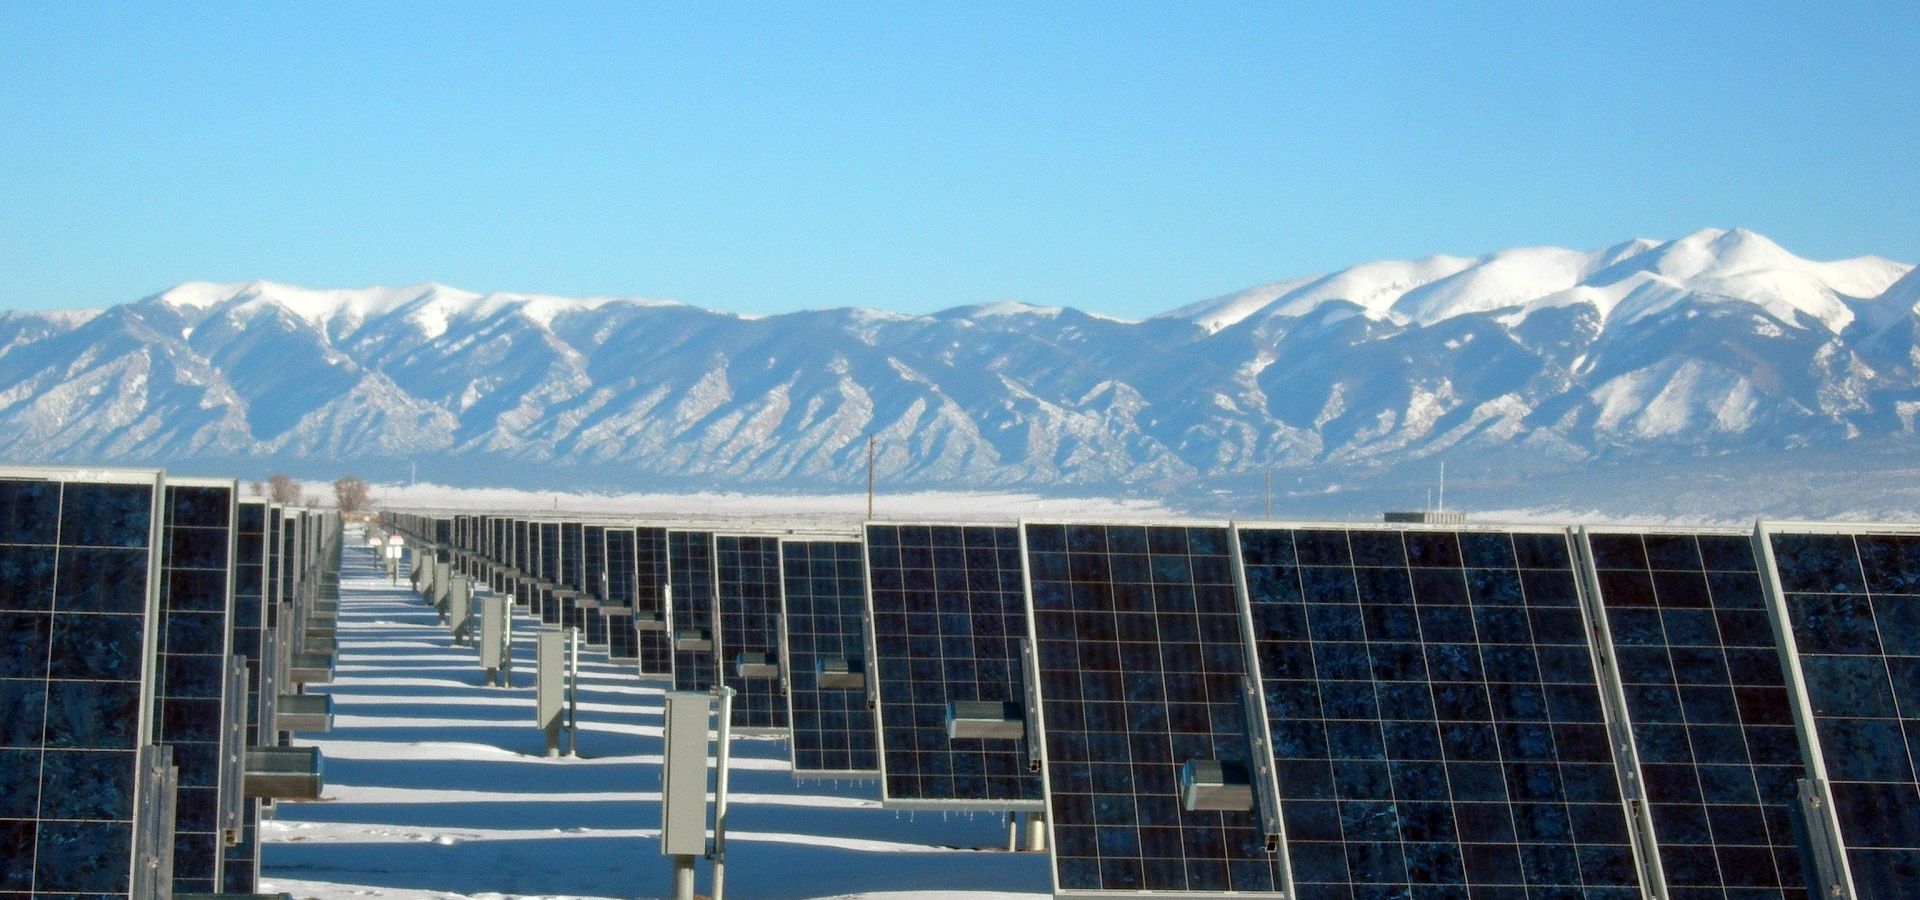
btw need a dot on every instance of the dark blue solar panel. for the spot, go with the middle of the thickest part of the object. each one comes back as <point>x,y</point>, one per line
<point>196,608</point>
<point>593,552</point>
<point>249,581</point>
<point>1853,601</point>
<point>747,608</point>
<point>1712,726</point>
<point>825,615</point>
<point>77,590</point>
<point>1436,718</point>
<point>690,579</point>
<point>547,569</point>
<point>1143,669</point>
<point>617,559</point>
<point>572,556</point>
<point>653,642</point>
<point>948,611</point>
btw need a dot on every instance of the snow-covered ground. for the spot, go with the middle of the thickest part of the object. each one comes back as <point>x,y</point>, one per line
<point>438,787</point>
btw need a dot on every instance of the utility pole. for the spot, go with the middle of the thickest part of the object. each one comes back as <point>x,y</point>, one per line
<point>869,476</point>
<point>1269,493</point>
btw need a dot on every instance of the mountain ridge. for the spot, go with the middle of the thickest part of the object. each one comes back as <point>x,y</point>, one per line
<point>1718,341</point>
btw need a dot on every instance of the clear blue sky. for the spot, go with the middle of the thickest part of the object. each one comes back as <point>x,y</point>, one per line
<point>1124,158</point>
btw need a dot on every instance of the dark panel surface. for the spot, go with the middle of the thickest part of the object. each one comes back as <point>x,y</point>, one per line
<point>747,608</point>
<point>196,605</point>
<point>948,611</point>
<point>690,577</point>
<point>1143,668</point>
<point>1435,715</point>
<point>617,559</point>
<point>1708,700</point>
<point>1853,601</point>
<point>654,645</point>
<point>825,614</point>
<point>75,576</point>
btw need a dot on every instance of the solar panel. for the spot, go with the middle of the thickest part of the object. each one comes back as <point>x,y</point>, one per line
<point>546,568</point>
<point>948,607</point>
<point>824,591</point>
<point>572,556</point>
<point>1852,599</point>
<point>79,568</point>
<point>242,867</point>
<point>617,561</point>
<point>1144,694</point>
<point>652,640</point>
<point>1436,718</point>
<point>1712,732</point>
<point>196,602</point>
<point>690,621</point>
<point>593,553</point>
<point>526,538</point>
<point>747,610</point>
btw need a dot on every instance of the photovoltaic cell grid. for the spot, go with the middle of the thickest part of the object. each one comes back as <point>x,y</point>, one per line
<point>747,608</point>
<point>249,582</point>
<point>1436,718</point>
<point>617,557</point>
<point>825,595</point>
<point>948,606</point>
<point>649,590</point>
<point>1142,668</point>
<point>593,555</point>
<point>78,576</point>
<point>547,569</point>
<point>572,556</point>
<point>196,606</point>
<point>1853,601</point>
<point>1694,649</point>
<point>690,574</point>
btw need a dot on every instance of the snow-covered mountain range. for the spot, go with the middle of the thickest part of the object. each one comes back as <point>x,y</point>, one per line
<point>1718,341</point>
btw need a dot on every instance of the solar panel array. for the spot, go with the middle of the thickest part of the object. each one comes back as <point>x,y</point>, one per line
<point>196,604</point>
<point>825,591</point>
<point>75,685</point>
<point>1143,671</point>
<point>947,603</point>
<point>1435,714</point>
<point>690,620</point>
<point>1853,603</point>
<point>1712,730</point>
<point>1337,711</point>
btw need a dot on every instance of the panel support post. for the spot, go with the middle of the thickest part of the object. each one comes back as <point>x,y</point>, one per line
<point>1036,837</point>
<point>725,729</point>
<point>683,878</point>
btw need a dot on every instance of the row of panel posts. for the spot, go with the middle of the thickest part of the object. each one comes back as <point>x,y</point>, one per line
<point>161,635</point>
<point>476,606</point>
<point>1312,710</point>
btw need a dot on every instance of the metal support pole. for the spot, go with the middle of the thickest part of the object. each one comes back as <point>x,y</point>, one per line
<point>1036,832</point>
<point>720,792</point>
<point>683,878</point>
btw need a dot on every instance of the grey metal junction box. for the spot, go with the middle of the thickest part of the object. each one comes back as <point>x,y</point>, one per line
<point>683,775</point>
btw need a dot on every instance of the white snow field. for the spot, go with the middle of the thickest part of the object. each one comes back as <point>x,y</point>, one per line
<point>437,786</point>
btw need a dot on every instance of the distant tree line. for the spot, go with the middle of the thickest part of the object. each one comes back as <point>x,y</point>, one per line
<point>350,492</point>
